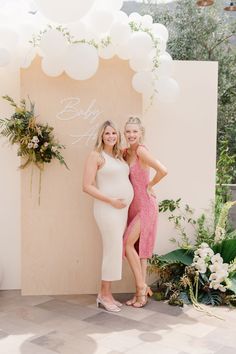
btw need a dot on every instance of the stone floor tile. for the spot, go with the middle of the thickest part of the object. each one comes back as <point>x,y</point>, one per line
<point>77,299</point>
<point>115,322</point>
<point>226,350</point>
<point>74,310</point>
<point>151,348</point>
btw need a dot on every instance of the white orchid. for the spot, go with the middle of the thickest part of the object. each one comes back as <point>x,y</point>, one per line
<point>30,145</point>
<point>35,139</point>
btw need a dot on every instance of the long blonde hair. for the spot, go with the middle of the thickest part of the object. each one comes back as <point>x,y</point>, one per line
<point>136,120</point>
<point>99,145</point>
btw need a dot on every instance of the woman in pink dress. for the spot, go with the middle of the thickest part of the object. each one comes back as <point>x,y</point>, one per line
<point>140,234</point>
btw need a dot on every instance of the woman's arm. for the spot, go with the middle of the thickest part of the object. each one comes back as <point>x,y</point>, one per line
<point>89,185</point>
<point>147,159</point>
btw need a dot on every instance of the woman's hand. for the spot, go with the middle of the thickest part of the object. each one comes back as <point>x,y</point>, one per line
<point>118,203</point>
<point>150,191</point>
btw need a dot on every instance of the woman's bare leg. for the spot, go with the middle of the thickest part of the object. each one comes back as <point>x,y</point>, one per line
<point>133,257</point>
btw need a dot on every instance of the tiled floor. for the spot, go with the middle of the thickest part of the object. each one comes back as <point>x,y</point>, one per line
<point>73,325</point>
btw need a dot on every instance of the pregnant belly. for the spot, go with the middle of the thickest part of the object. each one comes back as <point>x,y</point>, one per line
<point>121,191</point>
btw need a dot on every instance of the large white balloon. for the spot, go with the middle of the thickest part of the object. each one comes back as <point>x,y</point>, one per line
<point>119,33</point>
<point>143,82</point>
<point>160,30</point>
<point>101,20</point>
<point>78,30</point>
<point>53,67</point>
<point>110,5</point>
<point>167,89</point>
<point>5,57</point>
<point>53,43</point>
<point>81,61</point>
<point>64,11</point>
<point>140,44</point>
<point>121,17</point>
<point>8,38</point>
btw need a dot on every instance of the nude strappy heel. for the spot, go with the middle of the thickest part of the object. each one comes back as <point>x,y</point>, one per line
<point>142,297</point>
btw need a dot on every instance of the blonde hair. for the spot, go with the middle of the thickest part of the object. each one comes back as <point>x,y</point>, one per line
<point>99,145</point>
<point>136,120</point>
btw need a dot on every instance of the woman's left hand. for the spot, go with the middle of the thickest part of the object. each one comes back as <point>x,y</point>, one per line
<point>151,192</point>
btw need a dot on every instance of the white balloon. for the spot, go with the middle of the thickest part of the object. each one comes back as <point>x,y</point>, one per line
<point>81,61</point>
<point>106,52</point>
<point>101,20</point>
<point>8,38</point>
<point>143,82</point>
<point>165,65</point>
<point>122,51</point>
<point>167,89</point>
<point>64,11</point>
<point>140,44</point>
<point>119,33</point>
<point>159,29</point>
<point>110,5</point>
<point>147,21</point>
<point>5,57</point>
<point>121,17</point>
<point>52,67</point>
<point>135,17</point>
<point>141,63</point>
<point>53,43</point>
<point>26,55</point>
<point>78,30</point>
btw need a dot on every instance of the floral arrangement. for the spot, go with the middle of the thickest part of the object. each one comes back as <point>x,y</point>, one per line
<point>36,142</point>
<point>199,271</point>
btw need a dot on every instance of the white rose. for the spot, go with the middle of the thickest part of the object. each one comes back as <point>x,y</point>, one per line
<point>217,258</point>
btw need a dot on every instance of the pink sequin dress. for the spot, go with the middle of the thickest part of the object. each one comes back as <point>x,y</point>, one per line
<point>143,207</point>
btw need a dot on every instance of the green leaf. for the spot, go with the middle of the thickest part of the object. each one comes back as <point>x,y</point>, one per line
<point>233,284</point>
<point>178,256</point>
<point>227,250</point>
<point>210,298</point>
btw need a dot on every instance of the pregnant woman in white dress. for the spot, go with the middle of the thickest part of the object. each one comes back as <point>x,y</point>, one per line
<point>106,178</point>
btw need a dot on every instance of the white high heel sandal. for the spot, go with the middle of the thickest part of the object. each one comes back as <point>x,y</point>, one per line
<point>107,306</point>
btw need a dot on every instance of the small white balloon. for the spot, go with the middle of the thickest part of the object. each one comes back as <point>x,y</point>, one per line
<point>147,21</point>
<point>167,89</point>
<point>106,52</point>
<point>52,67</point>
<point>143,82</point>
<point>53,42</point>
<point>119,33</point>
<point>160,30</point>
<point>141,63</point>
<point>26,55</point>
<point>5,57</point>
<point>81,61</point>
<point>140,44</point>
<point>165,65</point>
<point>135,17</point>
<point>122,51</point>
<point>64,11</point>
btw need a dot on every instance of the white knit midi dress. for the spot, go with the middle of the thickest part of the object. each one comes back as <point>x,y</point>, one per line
<point>113,181</point>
